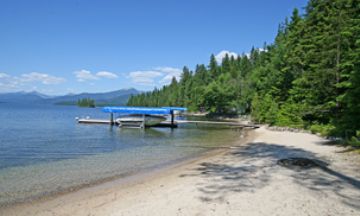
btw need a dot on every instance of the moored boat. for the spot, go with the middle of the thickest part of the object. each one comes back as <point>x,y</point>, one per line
<point>148,120</point>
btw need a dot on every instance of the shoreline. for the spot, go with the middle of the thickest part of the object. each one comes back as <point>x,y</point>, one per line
<point>123,179</point>
<point>206,185</point>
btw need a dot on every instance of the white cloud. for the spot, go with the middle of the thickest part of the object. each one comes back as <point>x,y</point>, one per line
<point>41,77</point>
<point>27,81</point>
<point>4,75</point>
<point>84,75</point>
<point>106,74</point>
<point>169,72</point>
<point>219,57</point>
<point>8,82</point>
<point>167,79</point>
<point>259,49</point>
<point>144,77</point>
<point>156,77</point>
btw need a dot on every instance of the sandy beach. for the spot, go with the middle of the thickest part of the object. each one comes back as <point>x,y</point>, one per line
<point>242,180</point>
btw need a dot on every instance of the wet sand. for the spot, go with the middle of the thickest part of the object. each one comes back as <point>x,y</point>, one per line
<point>242,180</point>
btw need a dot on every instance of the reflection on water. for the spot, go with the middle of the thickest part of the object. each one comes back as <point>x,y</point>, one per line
<point>43,149</point>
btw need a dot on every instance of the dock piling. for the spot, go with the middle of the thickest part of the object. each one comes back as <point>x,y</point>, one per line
<point>172,118</point>
<point>111,118</point>
<point>142,125</point>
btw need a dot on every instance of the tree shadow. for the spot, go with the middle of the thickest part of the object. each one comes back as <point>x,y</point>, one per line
<point>344,148</point>
<point>254,166</point>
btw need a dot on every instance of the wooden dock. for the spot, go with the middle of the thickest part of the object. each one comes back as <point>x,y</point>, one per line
<point>94,121</point>
<point>105,121</point>
<point>217,123</point>
<point>169,124</point>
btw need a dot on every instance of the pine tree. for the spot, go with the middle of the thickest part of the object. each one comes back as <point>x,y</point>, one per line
<point>213,67</point>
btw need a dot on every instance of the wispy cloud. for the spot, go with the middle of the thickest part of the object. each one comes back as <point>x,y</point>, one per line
<point>16,83</point>
<point>8,82</point>
<point>219,57</point>
<point>156,77</point>
<point>85,75</point>
<point>106,74</point>
<point>3,75</point>
<point>258,49</point>
<point>41,77</point>
<point>144,77</point>
<point>169,73</point>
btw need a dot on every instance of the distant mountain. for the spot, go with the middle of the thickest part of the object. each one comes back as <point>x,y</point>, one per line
<point>119,97</point>
<point>23,97</point>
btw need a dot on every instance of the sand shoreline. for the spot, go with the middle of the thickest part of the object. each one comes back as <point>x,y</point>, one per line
<point>231,181</point>
<point>122,178</point>
<point>125,179</point>
<point>116,182</point>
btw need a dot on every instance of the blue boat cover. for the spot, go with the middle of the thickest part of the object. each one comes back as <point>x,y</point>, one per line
<point>137,110</point>
<point>176,108</point>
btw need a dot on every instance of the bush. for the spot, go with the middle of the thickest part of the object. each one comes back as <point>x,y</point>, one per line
<point>354,141</point>
<point>322,129</point>
<point>264,110</point>
<point>290,116</point>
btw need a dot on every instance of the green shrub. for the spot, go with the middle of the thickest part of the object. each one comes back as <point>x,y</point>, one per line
<point>264,109</point>
<point>322,129</point>
<point>354,140</point>
<point>290,116</point>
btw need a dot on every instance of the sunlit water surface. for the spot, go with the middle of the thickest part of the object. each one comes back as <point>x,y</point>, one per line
<point>43,150</point>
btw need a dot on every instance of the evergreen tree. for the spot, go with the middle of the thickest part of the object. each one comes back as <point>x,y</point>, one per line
<point>308,77</point>
<point>213,67</point>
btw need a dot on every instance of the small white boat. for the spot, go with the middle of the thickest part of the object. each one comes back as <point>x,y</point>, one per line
<point>149,120</point>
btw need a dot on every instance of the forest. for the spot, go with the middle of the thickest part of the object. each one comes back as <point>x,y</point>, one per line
<point>86,102</point>
<point>308,77</point>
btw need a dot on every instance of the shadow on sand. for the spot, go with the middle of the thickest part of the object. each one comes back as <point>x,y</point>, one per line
<point>252,167</point>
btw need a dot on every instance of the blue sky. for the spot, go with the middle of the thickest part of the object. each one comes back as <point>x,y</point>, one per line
<point>71,46</point>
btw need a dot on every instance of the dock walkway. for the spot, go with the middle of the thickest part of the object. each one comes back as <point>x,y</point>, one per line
<point>168,123</point>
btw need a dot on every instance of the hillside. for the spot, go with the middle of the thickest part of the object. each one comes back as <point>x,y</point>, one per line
<point>23,97</point>
<point>119,97</point>
<point>307,78</point>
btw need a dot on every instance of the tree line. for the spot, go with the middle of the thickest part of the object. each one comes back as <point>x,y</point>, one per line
<point>309,77</point>
<point>86,102</point>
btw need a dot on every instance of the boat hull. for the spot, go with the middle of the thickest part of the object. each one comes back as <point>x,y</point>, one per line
<point>150,120</point>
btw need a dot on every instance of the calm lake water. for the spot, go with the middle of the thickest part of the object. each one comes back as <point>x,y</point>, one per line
<point>43,150</point>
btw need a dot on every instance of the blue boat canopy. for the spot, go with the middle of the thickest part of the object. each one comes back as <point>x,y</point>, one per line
<point>183,109</point>
<point>142,110</point>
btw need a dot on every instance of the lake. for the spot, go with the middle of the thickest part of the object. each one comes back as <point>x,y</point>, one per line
<point>43,150</point>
